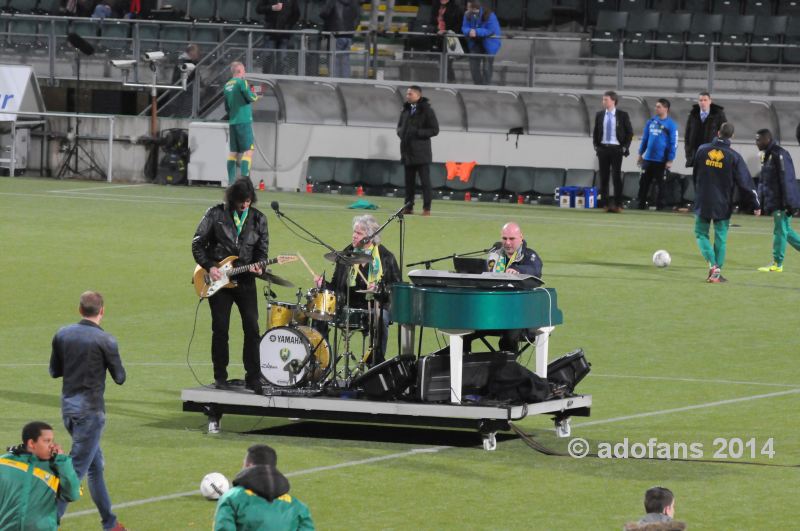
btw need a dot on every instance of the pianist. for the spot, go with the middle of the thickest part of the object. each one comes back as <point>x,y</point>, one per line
<point>512,254</point>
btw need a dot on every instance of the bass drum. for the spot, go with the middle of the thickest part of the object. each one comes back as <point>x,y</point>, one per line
<point>284,349</point>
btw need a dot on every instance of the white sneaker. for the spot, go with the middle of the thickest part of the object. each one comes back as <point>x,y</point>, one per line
<point>213,426</point>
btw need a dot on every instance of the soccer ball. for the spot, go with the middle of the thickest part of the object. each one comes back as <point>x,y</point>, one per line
<point>214,485</point>
<point>661,258</point>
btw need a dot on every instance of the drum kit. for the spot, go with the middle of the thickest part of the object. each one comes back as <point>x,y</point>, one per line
<point>295,352</point>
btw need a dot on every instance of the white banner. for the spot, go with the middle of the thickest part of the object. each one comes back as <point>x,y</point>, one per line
<point>14,80</point>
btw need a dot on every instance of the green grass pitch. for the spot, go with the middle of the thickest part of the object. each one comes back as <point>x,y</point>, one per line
<point>673,358</point>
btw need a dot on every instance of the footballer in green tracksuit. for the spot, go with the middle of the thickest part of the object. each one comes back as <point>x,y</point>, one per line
<point>260,499</point>
<point>239,96</point>
<point>33,476</point>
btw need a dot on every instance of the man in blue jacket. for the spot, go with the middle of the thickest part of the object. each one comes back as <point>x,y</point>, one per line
<point>481,28</point>
<point>717,171</point>
<point>656,152</point>
<point>780,195</point>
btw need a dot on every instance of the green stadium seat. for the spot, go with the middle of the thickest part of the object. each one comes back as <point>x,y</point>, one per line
<point>519,181</point>
<point>320,172</point>
<point>545,182</point>
<point>488,181</point>
<point>582,178</point>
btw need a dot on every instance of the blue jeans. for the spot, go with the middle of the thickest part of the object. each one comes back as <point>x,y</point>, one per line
<point>341,63</point>
<point>87,457</point>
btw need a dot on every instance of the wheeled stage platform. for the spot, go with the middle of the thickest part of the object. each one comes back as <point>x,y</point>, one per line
<point>487,419</point>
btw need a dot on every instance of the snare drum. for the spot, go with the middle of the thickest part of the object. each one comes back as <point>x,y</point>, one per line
<point>284,349</point>
<point>321,304</point>
<point>354,318</point>
<point>283,314</point>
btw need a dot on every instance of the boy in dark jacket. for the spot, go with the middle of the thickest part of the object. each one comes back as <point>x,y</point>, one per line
<point>416,127</point>
<point>780,196</point>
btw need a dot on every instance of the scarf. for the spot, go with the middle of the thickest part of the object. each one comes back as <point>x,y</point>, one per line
<point>375,273</point>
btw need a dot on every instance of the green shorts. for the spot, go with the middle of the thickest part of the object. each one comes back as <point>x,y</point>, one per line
<point>241,138</point>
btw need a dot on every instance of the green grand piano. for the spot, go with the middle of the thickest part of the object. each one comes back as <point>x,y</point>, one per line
<point>458,304</point>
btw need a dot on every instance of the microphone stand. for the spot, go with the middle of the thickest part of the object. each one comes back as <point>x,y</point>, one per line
<point>428,263</point>
<point>400,217</point>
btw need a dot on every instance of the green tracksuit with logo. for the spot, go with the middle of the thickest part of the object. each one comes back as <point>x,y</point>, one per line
<point>29,488</point>
<point>238,99</point>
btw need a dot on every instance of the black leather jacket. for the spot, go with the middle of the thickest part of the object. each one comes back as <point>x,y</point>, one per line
<point>215,238</point>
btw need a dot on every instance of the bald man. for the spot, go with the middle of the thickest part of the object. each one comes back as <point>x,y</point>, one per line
<point>512,255</point>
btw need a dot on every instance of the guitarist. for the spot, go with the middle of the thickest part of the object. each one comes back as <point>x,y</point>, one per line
<point>234,228</point>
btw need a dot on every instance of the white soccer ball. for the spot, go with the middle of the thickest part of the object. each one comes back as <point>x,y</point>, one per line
<point>214,485</point>
<point>661,258</point>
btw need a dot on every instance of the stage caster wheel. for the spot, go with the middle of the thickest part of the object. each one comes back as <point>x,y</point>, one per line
<point>563,428</point>
<point>490,442</point>
<point>214,425</point>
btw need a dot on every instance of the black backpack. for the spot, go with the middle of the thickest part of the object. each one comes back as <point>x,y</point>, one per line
<point>515,383</point>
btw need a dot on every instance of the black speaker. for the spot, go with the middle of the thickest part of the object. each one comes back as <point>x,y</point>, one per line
<point>389,379</point>
<point>80,43</point>
<point>569,369</point>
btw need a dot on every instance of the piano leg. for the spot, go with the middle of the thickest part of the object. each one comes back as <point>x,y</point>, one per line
<point>456,340</point>
<point>407,339</point>
<point>542,340</point>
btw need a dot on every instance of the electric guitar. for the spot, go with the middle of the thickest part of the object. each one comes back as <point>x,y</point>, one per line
<point>206,287</point>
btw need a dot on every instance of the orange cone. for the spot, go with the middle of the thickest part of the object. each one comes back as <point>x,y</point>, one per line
<point>468,197</point>
<point>360,191</point>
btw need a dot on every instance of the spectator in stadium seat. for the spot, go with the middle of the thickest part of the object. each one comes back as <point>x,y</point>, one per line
<point>705,119</point>
<point>657,150</point>
<point>718,169</point>
<point>779,191</point>
<point>279,15</point>
<point>659,502</point>
<point>612,138</point>
<point>260,499</point>
<point>447,16</point>
<point>341,17</point>
<point>481,28</point>
<point>416,127</point>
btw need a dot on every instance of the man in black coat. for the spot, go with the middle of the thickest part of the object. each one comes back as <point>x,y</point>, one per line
<point>279,15</point>
<point>415,128</point>
<point>704,121</point>
<point>612,138</point>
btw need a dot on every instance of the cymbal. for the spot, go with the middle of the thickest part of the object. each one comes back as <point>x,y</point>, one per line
<point>348,258</point>
<point>275,279</point>
<point>366,291</point>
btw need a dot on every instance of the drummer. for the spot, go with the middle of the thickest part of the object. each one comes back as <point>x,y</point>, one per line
<point>373,276</point>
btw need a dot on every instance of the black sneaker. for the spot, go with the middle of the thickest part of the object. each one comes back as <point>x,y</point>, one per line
<point>255,385</point>
<point>221,384</point>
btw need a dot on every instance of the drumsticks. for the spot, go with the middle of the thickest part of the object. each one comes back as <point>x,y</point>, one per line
<point>300,256</point>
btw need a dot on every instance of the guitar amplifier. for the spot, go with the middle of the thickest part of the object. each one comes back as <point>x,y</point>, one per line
<point>433,374</point>
<point>388,379</point>
<point>569,369</point>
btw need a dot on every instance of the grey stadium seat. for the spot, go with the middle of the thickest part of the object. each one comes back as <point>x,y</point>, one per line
<point>610,25</point>
<point>509,12</point>
<point>577,177</point>
<point>641,26</point>
<point>320,172</point>
<point>758,7</point>
<point>726,7</point>
<point>539,12</point>
<point>736,31</point>
<point>594,7</point>
<point>704,29</point>
<point>768,30</point>
<point>672,28</point>
<point>792,36</point>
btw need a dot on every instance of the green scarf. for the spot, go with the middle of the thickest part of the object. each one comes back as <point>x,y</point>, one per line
<point>502,263</point>
<point>375,270</point>
<point>238,220</point>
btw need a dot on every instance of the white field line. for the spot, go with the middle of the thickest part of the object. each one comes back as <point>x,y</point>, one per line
<point>436,449</point>
<point>693,380</point>
<point>108,187</point>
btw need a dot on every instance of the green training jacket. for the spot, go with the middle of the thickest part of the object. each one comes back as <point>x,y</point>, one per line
<point>29,488</point>
<point>238,97</point>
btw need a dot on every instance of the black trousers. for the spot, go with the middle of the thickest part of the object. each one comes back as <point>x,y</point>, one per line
<point>655,173</point>
<point>245,297</point>
<point>610,160</point>
<point>423,170</point>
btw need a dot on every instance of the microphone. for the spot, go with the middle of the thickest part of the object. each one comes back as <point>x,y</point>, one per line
<point>274,206</point>
<point>366,239</point>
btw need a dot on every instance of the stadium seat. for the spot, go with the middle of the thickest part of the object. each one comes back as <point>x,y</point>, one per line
<point>20,6</point>
<point>376,175</point>
<point>488,181</point>
<point>539,13</point>
<point>116,37</point>
<point>545,182</point>
<point>347,174</point>
<point>456,188</point>
<point>519,181</point>
<point>148,35</point>
<point>792,36</point>
<point>88,29</point>
<point>736,31</point>
<point>695,6</point>
<point>438,179</point>
<point>174,38</point>
<point>610,25</point>
<point>789,7</point>
<point>641,27</point>
<point>594,7</point>
<point>758,7</point>
<point>582,178</point>
<point>49,7</point>
<point>23,34</point>
<point>320,172</point>
<point>726,7</point>
<point>768,30</point>
<point>567,9</point>
<point>704,29</point>
<point>180,6</point>
<point>633,5</point>
<point>203,10</point>
<point>509,12</point>
<point>205,37</point>
<point>665,6</point>
<point>672,28</point>
<point>630,185</point>
<point>232,10</point>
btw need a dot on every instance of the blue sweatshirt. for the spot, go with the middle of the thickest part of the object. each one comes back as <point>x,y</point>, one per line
<point>660,140</point>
